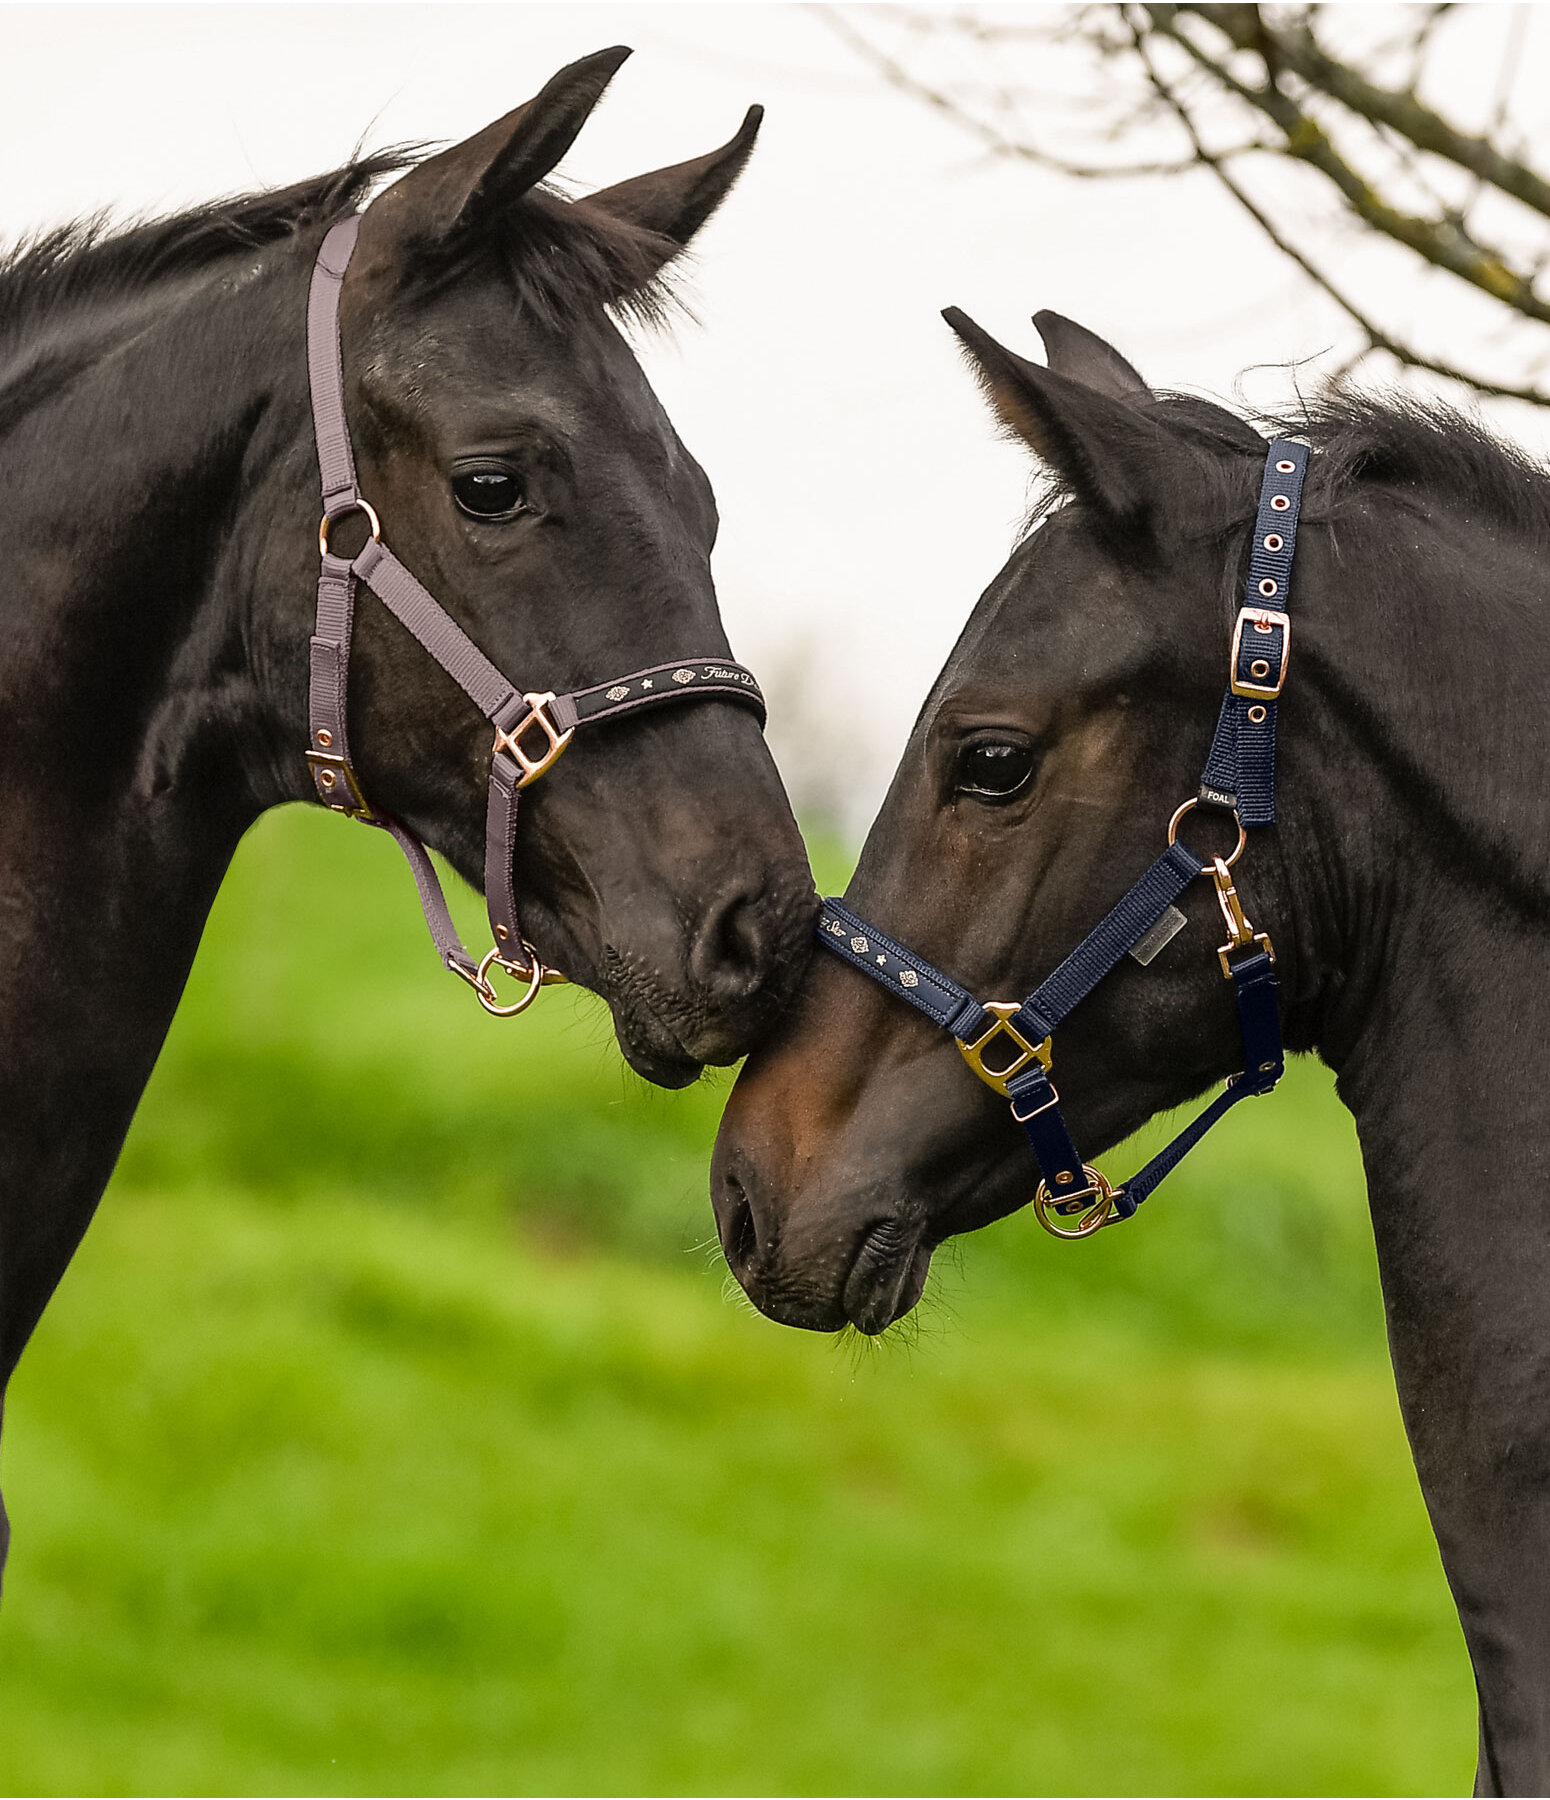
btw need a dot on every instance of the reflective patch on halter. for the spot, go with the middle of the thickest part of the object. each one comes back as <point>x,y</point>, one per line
<point>1162,933</point>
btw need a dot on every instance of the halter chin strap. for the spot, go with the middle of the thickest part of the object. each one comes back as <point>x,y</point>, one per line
<point>532,729</point>
<point>1009,1044</point>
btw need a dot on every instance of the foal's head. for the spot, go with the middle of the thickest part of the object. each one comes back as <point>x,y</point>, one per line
<point>1072,717</point>
<point>526,473</point>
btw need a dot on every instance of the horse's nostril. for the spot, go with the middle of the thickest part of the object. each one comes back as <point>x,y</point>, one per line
<point>739,1234</point>
<point>731,953</point>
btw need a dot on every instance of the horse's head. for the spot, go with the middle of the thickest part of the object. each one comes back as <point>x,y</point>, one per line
<point>1072,718</point>
<point>526,473</point>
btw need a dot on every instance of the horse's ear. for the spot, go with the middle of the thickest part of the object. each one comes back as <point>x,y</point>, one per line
<point>1108,453</point>
<point>1082,355</point>
<point>482,177</point>
<point>674,203</point>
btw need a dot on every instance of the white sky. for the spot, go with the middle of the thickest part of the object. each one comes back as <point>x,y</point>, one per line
<point>865,499</point>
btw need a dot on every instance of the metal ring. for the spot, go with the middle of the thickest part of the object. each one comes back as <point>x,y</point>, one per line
<point>1189,806</point>
<point>533,974</point>
<point>364,506</point>
<point>1100,1214</point>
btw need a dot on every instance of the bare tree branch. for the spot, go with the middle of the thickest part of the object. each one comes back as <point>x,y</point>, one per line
<point>1256,81</point>
<point>1377,337</point>
<point>1440,242</point>
<point>1294,47</point>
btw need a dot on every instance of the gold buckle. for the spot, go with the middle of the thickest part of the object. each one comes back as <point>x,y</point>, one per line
<point>974,1054</point>
<point>1241,935</point>
<point>1265,619</point>
<point>1052,1213</point>
<point>555,739</point>
<point>332,769</point>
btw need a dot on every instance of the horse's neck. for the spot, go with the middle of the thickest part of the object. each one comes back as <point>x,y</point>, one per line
<point>1421,801</point>
<point>123,787</point>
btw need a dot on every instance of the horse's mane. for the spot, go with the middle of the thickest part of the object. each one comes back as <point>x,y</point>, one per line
<point>1440,452</point>
<point>1393,440</point>
<point>564,263</point>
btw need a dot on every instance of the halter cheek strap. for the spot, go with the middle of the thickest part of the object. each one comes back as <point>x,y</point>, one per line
<point>531,729</point>
<point>1009,1044</point>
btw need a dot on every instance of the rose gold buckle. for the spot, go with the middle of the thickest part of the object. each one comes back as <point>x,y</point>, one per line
<point>1092,1207</point>
<point>554,744</point>
<point>1023,1052</point>
<point>1241,935</point>
<point>333,772</point>
<point>535,975</point>
<point>1264,619</point>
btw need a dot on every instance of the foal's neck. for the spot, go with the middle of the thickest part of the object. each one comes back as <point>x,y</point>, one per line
<point>1417,783</point>
<point>126,778</point>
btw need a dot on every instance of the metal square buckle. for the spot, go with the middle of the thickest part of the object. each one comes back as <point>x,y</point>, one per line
<point>555,740</point>
<point>1023,1052</point>
<point>1264,619</point>
<point>335,774</point>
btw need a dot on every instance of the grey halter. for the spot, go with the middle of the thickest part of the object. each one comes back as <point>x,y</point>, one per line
<point>531,729</point>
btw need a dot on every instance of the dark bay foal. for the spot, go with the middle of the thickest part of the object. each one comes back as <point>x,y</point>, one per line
<point>159,538</point>
<point>1405,883</point>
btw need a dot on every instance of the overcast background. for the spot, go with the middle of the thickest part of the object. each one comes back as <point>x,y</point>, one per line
<point>865,499</point>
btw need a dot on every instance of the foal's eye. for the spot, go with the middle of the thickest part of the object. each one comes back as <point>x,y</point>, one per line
<point>995,770</point>
<point>487,493</point>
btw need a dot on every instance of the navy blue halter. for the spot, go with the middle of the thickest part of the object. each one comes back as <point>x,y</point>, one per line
<point>1009,1044</point>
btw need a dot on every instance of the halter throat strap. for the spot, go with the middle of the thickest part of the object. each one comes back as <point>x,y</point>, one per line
<point>531,728</point>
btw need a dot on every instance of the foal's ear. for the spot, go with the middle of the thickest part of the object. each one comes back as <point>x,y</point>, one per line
<point>674,203</point>
<point>1082,355</point>
<point>488,173</point>
<point>1109,453</point>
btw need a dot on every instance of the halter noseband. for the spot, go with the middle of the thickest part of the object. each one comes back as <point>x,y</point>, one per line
<point>531,729</point>
<point>1009,1044</point>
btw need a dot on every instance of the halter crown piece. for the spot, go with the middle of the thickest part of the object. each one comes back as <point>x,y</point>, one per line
<point>531,729</point>
<point>1009,1044</point>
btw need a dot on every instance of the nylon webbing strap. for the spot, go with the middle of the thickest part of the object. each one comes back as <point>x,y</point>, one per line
<point>900,970</point>
<point>325,369</point>
<point>1121,929</point>
<point>1240,771</point>
<point>1259,1026</point>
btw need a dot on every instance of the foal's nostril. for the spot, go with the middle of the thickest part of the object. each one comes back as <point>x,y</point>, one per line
<point>735,1223</point>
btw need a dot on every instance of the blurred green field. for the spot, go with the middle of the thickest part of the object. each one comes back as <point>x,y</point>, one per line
<point>393,1433</point>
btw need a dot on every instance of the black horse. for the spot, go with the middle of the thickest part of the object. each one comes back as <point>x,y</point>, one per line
<point>158,541</point>
<point>1406,885</point>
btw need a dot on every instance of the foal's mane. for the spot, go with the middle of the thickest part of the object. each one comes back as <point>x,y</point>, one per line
<point>1443,454</point>
<point>1397,441</point>
<point>564,263</point>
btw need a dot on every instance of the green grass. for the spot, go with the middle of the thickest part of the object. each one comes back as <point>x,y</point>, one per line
<point>392,1434</point>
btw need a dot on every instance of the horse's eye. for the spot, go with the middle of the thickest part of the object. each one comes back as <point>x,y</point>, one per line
<point>995,771</point>
<point>487,493</point>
